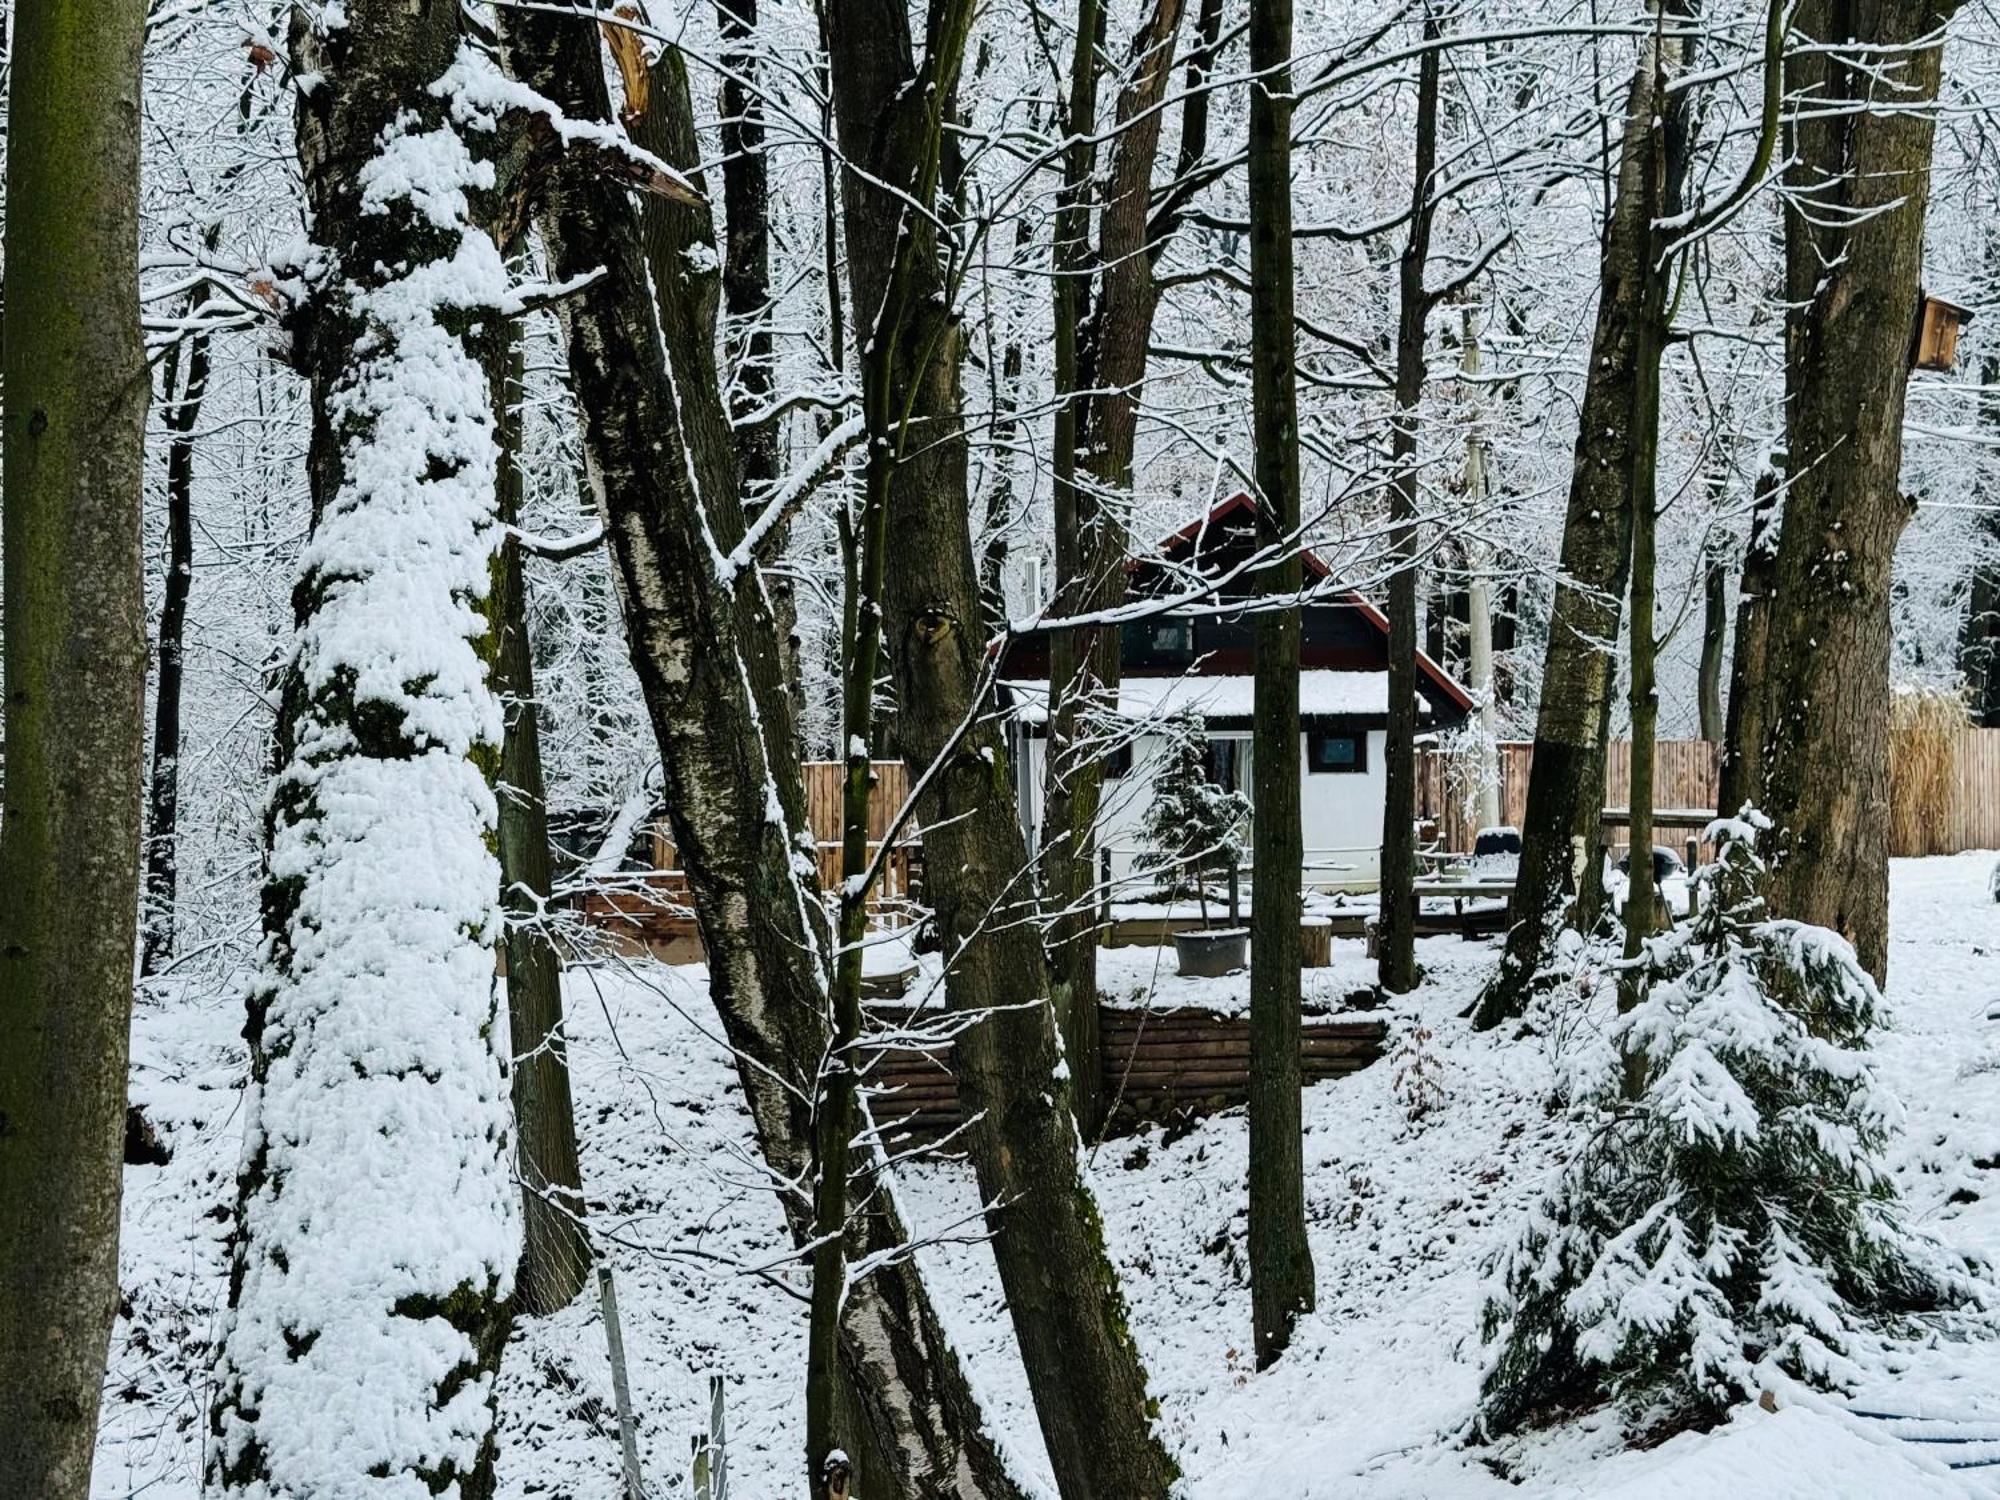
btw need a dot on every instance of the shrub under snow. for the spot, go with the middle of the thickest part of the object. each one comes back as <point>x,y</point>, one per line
<point>1736,1215</point>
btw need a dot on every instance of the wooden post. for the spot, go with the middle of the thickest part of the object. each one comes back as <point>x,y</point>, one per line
<point>1235,891</point>
<point>621,1391</point>
<point>1104,898</point>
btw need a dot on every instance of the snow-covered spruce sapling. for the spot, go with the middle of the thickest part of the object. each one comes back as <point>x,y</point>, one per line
<point>1192,829</point>
<point>1737,1214</point>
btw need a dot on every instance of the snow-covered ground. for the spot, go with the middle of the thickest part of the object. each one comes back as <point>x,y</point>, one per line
<point>1380,1380</point>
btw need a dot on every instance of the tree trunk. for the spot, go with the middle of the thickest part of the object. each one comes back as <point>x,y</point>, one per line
<point>555,1248</point>
<point>74,635</point>
<point>1083,1369</point>
<point>1099,419</point>
<point>376,1228</point>
<point>163,795</point>
<point>1714,642</point>
<point>1281,1268</point>
<point>1566,778</point>
<point>1979,634</point>
<point>1479,592</point>
<point>1396,952</point>
<point>1854,251</point>
<point>1743,730</point>
<point>706,655</point>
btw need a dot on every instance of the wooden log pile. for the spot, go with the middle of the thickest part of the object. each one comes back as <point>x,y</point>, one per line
<point>1159,1066</point>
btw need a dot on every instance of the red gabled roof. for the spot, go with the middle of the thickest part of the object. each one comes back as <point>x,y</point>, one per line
<point>1244,502</point>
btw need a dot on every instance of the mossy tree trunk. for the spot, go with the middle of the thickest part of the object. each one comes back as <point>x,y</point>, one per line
<point>1854,228</point>
<point>555,1246</point>
<point>1083,1368</point>
<point>1105,302</point>
<point>74,630</point>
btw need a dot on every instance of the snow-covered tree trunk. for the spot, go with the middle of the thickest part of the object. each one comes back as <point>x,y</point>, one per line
<point>74,633</point>
<point>377,1232</point>
<point>705,650</point>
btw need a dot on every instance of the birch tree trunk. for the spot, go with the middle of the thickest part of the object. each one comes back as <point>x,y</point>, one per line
<point>1854,225</point>
<point>376,1223</point>
<point>74,635</point>
<point>705,650</point>
<point>1062,1291</point>
<point>1281,1269</point>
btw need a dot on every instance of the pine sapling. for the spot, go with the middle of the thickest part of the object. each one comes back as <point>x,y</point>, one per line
<point>1731,1210</point>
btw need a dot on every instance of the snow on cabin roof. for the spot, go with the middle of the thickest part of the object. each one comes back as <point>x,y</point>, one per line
<point>1322,693</point>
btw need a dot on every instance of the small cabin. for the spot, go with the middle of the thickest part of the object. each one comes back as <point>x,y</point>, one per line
<point>1200,657</point>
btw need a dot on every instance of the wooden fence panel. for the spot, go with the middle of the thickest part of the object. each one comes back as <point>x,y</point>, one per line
<point>1687,777</point>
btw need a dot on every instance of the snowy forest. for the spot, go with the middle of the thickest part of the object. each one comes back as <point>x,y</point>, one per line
<point>999,749</point>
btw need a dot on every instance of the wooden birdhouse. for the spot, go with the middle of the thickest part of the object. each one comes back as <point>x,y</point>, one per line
<point>1938,323</point>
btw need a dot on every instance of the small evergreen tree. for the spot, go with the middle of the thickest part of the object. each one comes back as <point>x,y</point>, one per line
<point>1731,1210</point>
<point>1193,829</point>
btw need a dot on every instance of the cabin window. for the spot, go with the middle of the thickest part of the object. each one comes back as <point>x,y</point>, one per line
<point>1160,641</point>
<point>1118,760</point>
<point>1229,764</point>
<point>1336,751</point>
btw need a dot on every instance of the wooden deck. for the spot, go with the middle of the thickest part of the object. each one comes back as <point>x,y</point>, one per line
<point>1158,1066</point>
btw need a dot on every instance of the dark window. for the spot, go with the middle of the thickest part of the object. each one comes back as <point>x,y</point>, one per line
<point>1118,760</point>
<point>1161,641</point>
<point>1336,751</point>
<point>1225,765</point>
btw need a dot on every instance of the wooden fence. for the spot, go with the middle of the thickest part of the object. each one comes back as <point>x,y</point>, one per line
<point>1685,780</point>
<point>825,782</point>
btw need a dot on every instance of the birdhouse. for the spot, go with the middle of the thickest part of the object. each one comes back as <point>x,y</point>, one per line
<point>1938,323</point>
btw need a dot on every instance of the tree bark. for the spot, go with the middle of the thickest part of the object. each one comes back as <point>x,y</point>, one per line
<point>1714,643</point>
<point>75,660</point>
<point>705,650</point>
<point>1397,954</point>
<point>1743,730</point>
<point>371,1024</point>
<point>555,1248</point>
<point>1566,778</point>
<point>163,798</point>
<point>1281,1268</point>
<point>1854,222</point>
<point>1109,300</point>
<point>1479,591</point>
<point>1083,1369</point>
